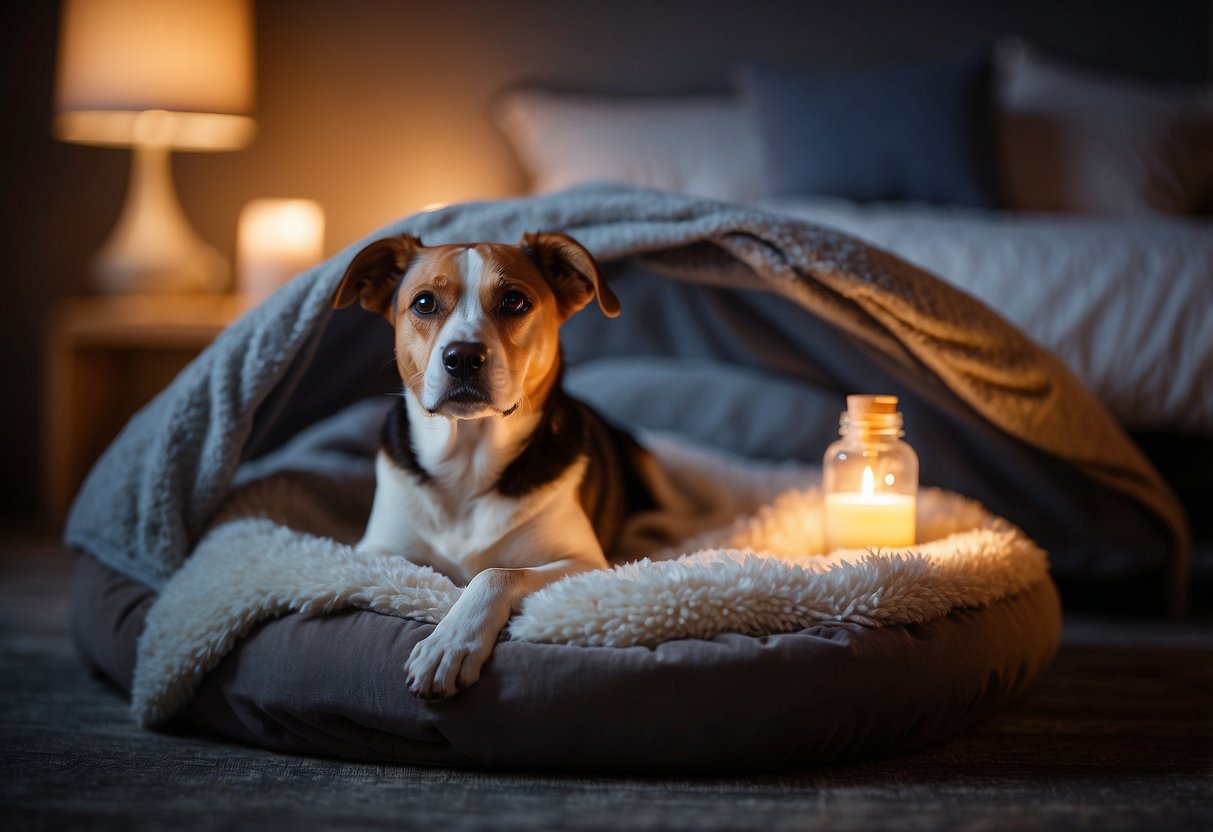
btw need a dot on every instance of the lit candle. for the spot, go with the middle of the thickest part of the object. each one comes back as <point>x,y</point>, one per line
<point>870,479</point>
<point>869,518</point>
<point>278,238</point>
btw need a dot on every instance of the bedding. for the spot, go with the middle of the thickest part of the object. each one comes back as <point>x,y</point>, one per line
<point>1033,134</point>
<point>1124,302</point>
<point>700,145</point>
<point>715,352</point>
<point>1119,294</point>
<point>1079,140</point>
<point>149,498</point>
<point>919,133</point>
<point>180,503</point>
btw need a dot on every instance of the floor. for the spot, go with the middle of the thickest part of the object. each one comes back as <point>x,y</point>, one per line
<point>1119,735</point>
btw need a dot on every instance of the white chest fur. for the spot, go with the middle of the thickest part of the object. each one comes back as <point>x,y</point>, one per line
<point>460,537</point>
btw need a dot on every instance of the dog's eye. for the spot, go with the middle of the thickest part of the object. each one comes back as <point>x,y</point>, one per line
<point>425,304</point>
<point>515,303</point>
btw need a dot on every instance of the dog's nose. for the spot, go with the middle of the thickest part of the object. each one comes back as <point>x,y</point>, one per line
<point>463,359</point>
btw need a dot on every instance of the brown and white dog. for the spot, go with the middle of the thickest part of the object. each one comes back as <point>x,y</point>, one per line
<point>488,472</point>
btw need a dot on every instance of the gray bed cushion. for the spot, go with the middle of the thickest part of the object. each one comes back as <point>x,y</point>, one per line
<point>334,686</point>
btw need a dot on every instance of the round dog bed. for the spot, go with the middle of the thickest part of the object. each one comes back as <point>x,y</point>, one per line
<point>751,653</point>
<point>298,645</point>
<point>333,685</point>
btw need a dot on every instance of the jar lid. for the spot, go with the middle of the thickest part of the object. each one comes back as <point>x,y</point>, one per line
<point>872,414</point>
<point>860,406</point>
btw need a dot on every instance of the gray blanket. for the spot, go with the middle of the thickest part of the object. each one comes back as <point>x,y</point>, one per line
<point>150,497</point>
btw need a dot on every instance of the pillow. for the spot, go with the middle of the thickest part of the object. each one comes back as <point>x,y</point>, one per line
<point>913,133</point>
<point>699,145</point>
<point>1084,141</point>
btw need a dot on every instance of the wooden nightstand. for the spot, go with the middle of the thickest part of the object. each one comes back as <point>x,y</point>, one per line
<point>105,358</point>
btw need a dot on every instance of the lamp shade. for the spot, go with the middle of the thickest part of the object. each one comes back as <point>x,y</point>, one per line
<point>188,61</point>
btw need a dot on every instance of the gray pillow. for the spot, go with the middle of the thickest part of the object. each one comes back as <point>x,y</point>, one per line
<point>919,133</point>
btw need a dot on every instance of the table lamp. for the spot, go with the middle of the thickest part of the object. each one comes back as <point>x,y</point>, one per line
<point>155,76</point>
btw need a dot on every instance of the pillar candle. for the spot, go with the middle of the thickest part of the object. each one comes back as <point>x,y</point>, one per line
<point>855,520</point>
<point>278,238</point>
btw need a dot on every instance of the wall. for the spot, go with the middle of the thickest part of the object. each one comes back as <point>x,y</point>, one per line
<point>377,108</point>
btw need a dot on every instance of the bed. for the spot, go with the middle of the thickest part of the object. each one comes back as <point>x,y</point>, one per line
<point>1073,201</point>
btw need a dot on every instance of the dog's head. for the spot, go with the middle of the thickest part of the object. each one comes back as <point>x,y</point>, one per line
<point>476,324</point>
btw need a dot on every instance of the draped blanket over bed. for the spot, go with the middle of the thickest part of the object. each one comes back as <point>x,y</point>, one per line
<point>219,473</point>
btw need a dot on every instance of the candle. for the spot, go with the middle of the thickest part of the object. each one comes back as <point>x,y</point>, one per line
<point>278,238</point>
<point>868,518</point>
<point>870,478</point>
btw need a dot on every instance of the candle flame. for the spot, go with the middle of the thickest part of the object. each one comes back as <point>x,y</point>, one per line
<point>869,481</point>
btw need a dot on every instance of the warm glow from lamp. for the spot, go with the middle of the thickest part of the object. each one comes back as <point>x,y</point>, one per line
<point>155,76</point>
<point>278,238</point>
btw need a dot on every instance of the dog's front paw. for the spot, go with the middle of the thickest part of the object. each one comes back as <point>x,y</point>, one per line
<point>445,663</point>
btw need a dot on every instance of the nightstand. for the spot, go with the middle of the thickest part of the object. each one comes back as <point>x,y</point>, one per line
<point>105,358</point>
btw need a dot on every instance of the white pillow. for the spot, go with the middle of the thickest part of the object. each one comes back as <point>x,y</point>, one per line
<point>1084,141</point>
<point>701,145</point>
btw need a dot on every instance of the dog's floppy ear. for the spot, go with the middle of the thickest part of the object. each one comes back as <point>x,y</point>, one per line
<point>571,272</point>
<point>374,274</point>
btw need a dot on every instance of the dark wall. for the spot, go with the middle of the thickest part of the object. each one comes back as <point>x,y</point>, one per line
<point>377,107</point>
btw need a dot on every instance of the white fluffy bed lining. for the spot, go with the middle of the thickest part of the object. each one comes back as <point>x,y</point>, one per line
<point>760,574</point>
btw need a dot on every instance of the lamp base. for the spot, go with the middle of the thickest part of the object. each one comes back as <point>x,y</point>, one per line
<point>201,270</point>
<point>152,248</point>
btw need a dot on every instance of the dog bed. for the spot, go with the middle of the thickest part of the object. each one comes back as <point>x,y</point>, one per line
<point>277,634</point>
<point>218,588</point>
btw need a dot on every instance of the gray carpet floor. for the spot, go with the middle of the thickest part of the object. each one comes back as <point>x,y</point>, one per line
<point>1119,735</point>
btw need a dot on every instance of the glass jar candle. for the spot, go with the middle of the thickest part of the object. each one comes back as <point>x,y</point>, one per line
<point>870,478</point>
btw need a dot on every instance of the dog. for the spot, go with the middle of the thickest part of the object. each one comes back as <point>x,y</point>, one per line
<point>488,471</point>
